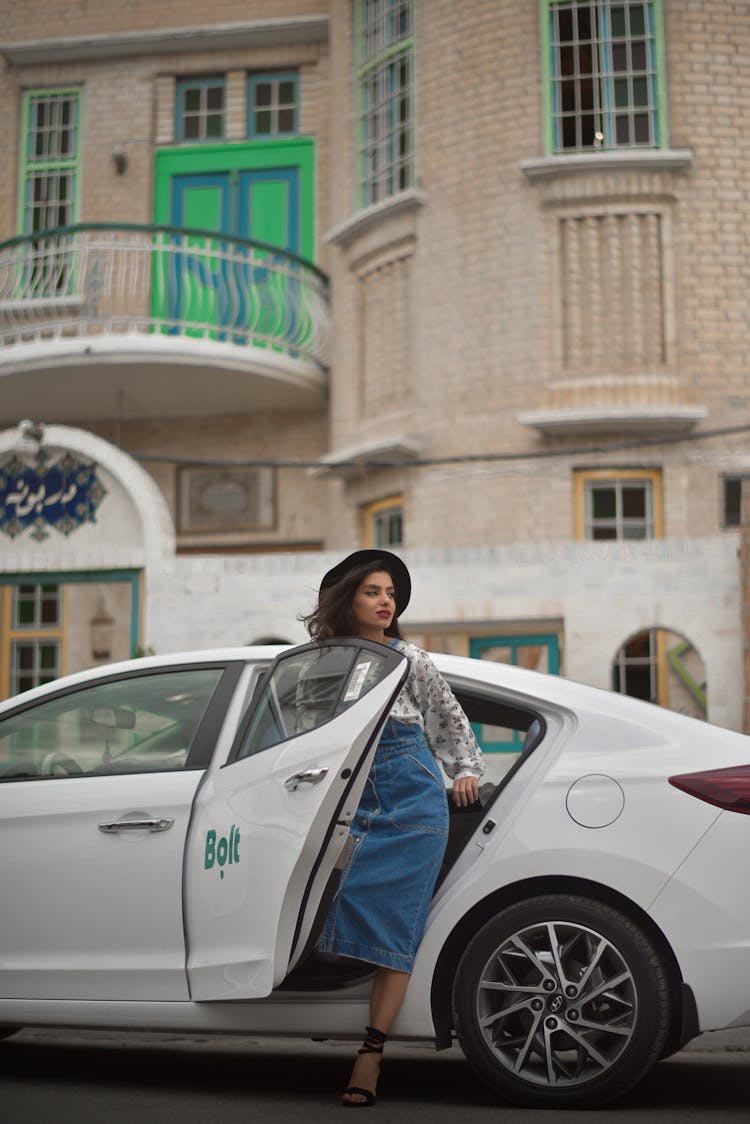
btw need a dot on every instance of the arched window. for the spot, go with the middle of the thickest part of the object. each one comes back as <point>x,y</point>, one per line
<point>663,667</point>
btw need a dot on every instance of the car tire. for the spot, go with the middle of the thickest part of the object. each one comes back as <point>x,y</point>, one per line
<point>561,1001</point>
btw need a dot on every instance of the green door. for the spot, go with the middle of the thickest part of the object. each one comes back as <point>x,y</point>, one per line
<point>223,283</point>
<point>218,287</point>
<point>197,280</point>
<point>269,212</point>
<point>537,652</point>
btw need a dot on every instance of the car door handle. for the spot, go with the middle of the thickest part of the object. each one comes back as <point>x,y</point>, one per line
<point>136,825</point>
<point>310,776</point>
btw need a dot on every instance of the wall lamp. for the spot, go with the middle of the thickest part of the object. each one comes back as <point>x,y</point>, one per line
<point>119,159</point>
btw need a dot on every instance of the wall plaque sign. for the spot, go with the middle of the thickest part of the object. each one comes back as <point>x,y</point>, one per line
<point>221,500</point>
<point>34,497</point>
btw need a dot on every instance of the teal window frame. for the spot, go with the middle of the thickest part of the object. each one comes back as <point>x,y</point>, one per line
<point>70,577</point>
<point>12,633</point>
<point>477,644</point>
<point>606,81</point>
<point>53,164</point>
<point>385,101</point>
<point>202,85</point>
<point>274,108</point>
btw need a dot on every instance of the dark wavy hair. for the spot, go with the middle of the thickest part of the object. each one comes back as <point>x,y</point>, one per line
<point>332,616</point>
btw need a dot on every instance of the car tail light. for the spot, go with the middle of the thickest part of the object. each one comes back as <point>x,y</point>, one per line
<point>726,788</point>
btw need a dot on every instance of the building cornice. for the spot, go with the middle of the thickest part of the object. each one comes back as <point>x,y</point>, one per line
<point>404,203</point>
<point>214,37</point>
<point>613,419</point>
<point>639,159</point>
<point>387,452</point>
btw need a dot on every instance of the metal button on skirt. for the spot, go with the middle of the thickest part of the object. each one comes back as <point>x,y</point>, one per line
<point>399,835</point>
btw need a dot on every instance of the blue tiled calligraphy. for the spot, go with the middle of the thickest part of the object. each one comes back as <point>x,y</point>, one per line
<point>35,497</point>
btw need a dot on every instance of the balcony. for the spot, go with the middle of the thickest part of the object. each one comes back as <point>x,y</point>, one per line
<point>105,320</point>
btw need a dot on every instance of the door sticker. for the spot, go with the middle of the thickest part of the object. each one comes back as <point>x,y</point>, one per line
<point>357,681</point>
<point>226,850</point>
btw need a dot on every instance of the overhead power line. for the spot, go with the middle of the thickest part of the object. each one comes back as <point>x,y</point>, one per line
<point>430,462</point>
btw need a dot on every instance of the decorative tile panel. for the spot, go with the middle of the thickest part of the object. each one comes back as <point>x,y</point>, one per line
<point>63,494</point>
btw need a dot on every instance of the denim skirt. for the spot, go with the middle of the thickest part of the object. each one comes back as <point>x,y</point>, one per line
<point>399,834</point>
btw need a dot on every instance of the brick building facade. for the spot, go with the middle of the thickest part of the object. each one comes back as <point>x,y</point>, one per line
<point>526,323</point>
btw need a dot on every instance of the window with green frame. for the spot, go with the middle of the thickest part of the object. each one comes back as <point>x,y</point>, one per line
<point>385,98</point>
<point>200,109</point>
<point>272,105</point>
<point>604,62</point>
<point>49,159</point>
<point>384,522</point>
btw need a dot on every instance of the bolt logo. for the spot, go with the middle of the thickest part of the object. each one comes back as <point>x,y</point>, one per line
<point>223,852</point>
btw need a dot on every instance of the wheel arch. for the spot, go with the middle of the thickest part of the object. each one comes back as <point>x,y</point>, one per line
<point>684,1022</point>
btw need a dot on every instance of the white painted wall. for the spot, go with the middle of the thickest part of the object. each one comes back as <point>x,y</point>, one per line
<point>604,592</point>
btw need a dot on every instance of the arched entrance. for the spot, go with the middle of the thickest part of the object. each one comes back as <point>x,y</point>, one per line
<point>664,667</point>
<point>81,523</point>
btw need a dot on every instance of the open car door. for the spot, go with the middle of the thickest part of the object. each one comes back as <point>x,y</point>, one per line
<point>270,825</point>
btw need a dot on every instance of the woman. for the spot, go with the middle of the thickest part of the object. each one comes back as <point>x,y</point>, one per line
<point>401,825</point>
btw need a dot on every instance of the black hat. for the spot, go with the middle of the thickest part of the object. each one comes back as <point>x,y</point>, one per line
<point>391,562</point>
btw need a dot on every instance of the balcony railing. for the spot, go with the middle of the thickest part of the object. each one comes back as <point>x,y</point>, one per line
<point>93,279</point>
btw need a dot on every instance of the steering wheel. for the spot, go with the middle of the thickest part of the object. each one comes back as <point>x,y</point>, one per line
<point>60,763</point>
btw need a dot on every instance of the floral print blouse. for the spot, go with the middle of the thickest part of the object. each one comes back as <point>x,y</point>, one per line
<point>427,700</point>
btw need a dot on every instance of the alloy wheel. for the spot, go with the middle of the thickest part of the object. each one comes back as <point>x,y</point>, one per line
<point>556,1003</point>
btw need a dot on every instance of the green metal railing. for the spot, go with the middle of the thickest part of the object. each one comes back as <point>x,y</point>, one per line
<point>95,278</point>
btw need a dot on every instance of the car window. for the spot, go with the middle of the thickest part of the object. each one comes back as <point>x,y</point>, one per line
<point>306,689</point>
<point>497,721</point>
<point>137,724</point>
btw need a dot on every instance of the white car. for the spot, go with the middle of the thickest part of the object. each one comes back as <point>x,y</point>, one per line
<point>169,846</point>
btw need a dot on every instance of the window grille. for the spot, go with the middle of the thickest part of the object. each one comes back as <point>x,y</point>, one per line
<point>49,185</point>
<point>388,527</point>
<point>604,63</point>
<point>619,509</point>
<point>273,105</point>
<point>52,141</point>
<point>37,606</point>
<point>35,657</point>
<point>385,98</point>
<point>635,668</point>
<point>33,662</point>
<point>383,522</point>
<point>200,110</point>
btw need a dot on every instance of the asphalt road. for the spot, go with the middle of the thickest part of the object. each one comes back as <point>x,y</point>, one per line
<point>55,1077</point>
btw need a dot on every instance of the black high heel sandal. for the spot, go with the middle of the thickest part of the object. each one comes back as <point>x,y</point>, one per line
<point>374,1042</point>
